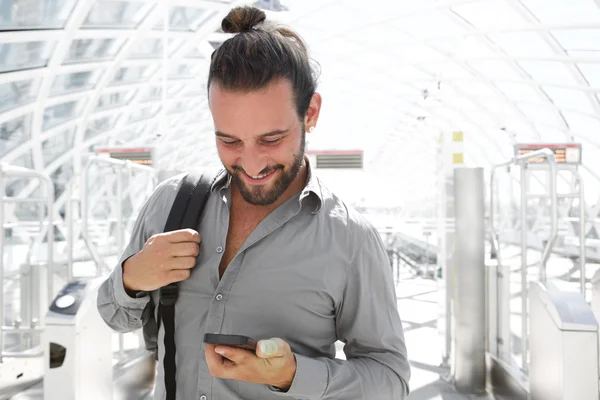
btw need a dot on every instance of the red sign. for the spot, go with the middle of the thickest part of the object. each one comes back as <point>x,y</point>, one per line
<point>564,153</point>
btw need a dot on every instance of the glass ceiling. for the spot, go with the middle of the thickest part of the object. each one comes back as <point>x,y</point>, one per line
<point>395,74</point>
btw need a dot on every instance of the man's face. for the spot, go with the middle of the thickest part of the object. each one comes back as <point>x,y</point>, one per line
<point>260,139</point>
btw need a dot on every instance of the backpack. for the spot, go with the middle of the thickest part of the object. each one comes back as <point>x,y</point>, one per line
<point>185,213</point>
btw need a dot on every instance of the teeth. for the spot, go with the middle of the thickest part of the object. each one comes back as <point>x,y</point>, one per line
<point>259,176</point>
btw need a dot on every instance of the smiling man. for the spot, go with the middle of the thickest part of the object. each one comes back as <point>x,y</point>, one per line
<point>276,256</point>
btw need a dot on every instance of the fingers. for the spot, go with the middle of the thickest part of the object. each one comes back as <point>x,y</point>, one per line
<point>220,366</point>
<point>178,275</point>
<point>182,236</point>
<point>187,249</point>
<point>181,263</point>
<point>213,360</point>
<point>274,347</point>
<point>238,356</point>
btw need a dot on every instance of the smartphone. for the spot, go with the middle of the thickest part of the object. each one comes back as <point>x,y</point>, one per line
<point>239,341</point>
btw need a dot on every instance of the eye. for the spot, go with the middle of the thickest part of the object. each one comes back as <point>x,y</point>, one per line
<point>272,141</point>
<point>230,142</point>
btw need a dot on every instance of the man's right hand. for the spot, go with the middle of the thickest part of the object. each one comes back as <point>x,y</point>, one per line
<point>165,258</point>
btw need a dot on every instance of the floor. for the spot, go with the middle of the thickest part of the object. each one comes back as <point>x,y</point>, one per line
<point>418,306</point>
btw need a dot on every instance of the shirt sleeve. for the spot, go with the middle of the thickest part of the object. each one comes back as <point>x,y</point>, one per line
<point>368,322</point>
<point>120,311</point>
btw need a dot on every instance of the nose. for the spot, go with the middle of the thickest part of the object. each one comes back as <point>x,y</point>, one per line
<point>253,162</point>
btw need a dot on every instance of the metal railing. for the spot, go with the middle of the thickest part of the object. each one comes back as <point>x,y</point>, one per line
<point>118,167</point>
<point>522,162</point>
<point>7,171</point>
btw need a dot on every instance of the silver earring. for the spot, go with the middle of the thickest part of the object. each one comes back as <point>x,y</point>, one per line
<point>312,128</point>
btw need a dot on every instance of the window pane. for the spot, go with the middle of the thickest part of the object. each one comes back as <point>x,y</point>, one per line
<point>153,93</point>
<point>583,126</point>
<point>578,40</point>
<point>563,12</point>
<point>569,99</point>
<point>17,93</point>
<point>489,14</point>
<point>100,125</point>
<point>153,48</point>
<point>116,99</point>
<point>174,89</point>
<point>525,44</point>
<point>591,72</point>
<point>57,145</point>
<point>71,82</point>
<point>15,185</point>
<point>14,132</point>
<point>184,71</point>
<point>16,56</point>
<point>546,71</point>
<point>144,113</point>
<point>93,49</point>
<point>133,74</point>
<point>60,113</point>
<point>25,14</point>
<point>117,14</point>
<point>194,53</point>
<point>61,178</point>
<point>185,19</point>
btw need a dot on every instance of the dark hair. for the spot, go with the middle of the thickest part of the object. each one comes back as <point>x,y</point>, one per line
<point>261,53</point>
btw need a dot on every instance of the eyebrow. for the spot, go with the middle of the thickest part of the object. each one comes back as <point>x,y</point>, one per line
<point>264,135</point>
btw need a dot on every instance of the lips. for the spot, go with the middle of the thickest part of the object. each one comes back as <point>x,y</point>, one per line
<point>262,179</point>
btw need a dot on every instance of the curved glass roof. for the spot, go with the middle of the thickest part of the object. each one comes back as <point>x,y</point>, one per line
<point>395,75</point>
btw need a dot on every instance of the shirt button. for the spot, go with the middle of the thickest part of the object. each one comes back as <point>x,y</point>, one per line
<point>219,297</point>
<point>203,397</point>
<point>219,249</point>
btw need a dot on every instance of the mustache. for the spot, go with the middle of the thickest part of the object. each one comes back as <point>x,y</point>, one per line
<point>266,171</point>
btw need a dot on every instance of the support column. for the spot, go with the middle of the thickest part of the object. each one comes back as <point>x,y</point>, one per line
<point>468,274</point>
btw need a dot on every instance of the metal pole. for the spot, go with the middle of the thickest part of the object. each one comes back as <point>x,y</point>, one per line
<point>119,211</point>
<point>553,218</point>
<point>120,240</point>
<point>70,233</point>
<point>469,271</point>
<point>2,192</point>
<point>582,246</point>
<point>50,238</point>
<point>524,229</point>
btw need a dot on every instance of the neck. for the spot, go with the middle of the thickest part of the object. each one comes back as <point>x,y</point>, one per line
<point>296,186</point>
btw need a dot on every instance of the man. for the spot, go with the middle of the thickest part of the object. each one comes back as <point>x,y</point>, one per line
<point>276,257</point>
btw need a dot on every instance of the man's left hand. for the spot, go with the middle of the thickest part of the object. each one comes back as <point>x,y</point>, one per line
<point>274,363</point>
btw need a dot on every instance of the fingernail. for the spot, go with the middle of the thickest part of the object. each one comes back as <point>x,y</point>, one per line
<point>268,347</point>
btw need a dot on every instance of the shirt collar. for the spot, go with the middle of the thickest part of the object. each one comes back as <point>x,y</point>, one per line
<point>312,190</point>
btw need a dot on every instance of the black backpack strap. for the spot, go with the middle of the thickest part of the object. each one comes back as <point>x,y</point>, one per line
<point>185,213</point>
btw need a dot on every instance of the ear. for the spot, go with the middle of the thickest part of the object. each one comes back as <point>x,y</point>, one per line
<point>312,114</point>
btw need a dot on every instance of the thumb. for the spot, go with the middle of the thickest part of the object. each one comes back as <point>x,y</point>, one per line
<point>271,348</point>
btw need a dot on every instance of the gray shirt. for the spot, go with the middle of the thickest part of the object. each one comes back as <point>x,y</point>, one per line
<point>313,272</point>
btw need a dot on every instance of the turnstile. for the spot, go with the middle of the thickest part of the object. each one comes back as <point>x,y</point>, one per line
<point>564,344</point>
<point>78,345</point>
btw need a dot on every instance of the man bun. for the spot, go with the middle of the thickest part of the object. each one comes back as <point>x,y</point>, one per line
<point>242,19</point>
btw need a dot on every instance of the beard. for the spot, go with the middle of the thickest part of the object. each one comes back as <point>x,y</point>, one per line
<point>259,195</point>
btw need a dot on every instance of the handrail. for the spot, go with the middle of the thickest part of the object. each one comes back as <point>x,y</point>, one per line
<point>522,161</point>
<point>582,221</point>
<point>85,198</point>
<point>493,233</point>
<point>20,172</point>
